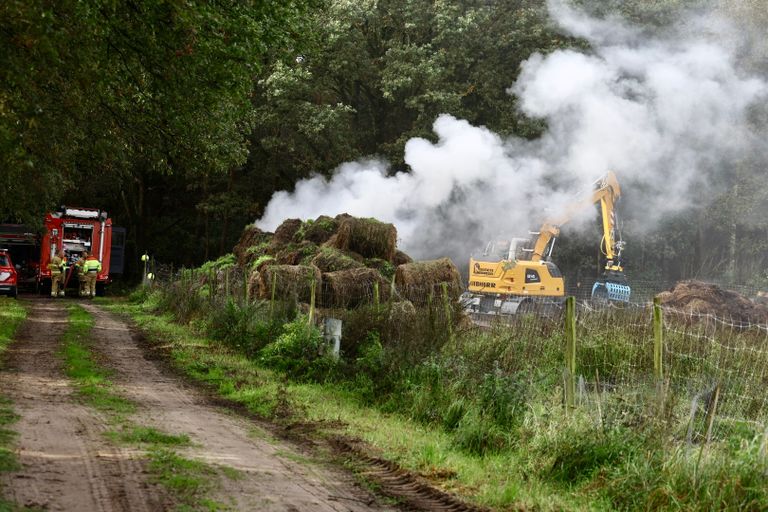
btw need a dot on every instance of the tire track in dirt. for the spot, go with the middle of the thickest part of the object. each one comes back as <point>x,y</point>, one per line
<point>276,476</point>
<point>66,463</point>
<point>402,484</point>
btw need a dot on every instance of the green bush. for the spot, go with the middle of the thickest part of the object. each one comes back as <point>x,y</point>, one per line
<point>246,328</point>
<point>299,351</point>
<point>139,294</point>
<point>226,261</point>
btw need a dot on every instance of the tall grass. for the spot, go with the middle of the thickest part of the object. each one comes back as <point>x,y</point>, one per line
<point>12,314</point>
<point>498,392</point>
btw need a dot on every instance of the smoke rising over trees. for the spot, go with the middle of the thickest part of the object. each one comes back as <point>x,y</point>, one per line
<point>456,120</point>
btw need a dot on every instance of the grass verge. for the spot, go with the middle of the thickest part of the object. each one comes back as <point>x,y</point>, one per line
<point>188,481</point>
<point>478,413</point>
<point>12,314</point>
<point>497,480</point>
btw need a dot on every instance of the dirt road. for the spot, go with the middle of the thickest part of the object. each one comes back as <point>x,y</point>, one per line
<point>67,463</point>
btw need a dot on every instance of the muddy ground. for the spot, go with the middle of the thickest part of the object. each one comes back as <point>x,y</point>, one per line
<point>68,464</point>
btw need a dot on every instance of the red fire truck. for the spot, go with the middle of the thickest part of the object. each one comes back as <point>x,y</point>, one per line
<point>75,230</point>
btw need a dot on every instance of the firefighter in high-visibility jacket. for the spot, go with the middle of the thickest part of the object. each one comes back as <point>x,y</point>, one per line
<point>79,266</point>
<point>58,268</point>
<point>91,269</point>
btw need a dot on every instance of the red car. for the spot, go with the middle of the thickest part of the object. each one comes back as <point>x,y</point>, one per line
<point>8,278</point>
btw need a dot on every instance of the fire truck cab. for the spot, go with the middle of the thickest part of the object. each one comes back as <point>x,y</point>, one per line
<point>76,230</point>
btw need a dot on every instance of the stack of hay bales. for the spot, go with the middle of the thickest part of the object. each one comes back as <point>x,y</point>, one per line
<point>349,260</point>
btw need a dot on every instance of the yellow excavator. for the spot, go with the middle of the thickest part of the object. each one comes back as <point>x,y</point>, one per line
<point>511,277</point>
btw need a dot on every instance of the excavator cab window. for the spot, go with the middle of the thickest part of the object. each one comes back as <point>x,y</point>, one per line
<point>496,251</point>
<point>532,276</point>
<point>553,270</point>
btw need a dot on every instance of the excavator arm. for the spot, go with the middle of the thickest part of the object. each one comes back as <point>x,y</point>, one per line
<point>606,193</point>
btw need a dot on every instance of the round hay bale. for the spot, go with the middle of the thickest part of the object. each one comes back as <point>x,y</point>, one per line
<point>286,231</point>
<point>254,286</point>
<point>367,237</point>
<point>296,254</point>
<point>251,239</point>
<point>353,287</point>
<point>384,267</point>
<point>401,258</point>
<point>290,282</point>
<point>418,280</point>
<point>329,259</point>
<point>288,256</point>
<point>402,313</point>
<point>342,216</point>
<point>319,230</point>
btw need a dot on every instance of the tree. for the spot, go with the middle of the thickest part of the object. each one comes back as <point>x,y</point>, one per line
<point>104,102</point>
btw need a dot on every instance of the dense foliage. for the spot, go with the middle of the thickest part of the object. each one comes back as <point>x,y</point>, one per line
<point>182,119</point>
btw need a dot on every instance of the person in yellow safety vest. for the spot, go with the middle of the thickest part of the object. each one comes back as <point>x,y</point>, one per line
<point>81,273</point>
<point>91,267</point>
<point>58,268</point>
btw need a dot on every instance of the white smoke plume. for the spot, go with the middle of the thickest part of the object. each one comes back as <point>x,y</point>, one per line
<point>663,111</point>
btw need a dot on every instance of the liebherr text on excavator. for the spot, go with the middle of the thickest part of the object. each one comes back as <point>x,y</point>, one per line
<point>510,276</point>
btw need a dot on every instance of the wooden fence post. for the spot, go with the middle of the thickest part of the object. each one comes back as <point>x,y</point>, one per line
<point>447,309</point>
<point>272,300</point>
<point>658,350</point>
<point>213,284</point>
<point>570,352</point>
<point>246,288</point>
<point>312,293</point>
<point>658,340</point>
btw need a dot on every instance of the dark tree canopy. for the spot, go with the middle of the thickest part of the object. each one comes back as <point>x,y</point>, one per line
<point>183,118</point>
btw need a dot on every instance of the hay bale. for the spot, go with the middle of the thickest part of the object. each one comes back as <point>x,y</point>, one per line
<point>402,313</point>
<point>367,237</point>
<point>286,231</point>
<point>401,258</point>
<point>248,246</point>
<point>342,217</point>
<point>291,282</point>
<point>353,287</point>
<point>416,281</point>
<point>254,286</point>
<point>710,299</point>
<point>295,254</point>
<point>385,268</point>
<point>329,259</point>
<point>319,230</point>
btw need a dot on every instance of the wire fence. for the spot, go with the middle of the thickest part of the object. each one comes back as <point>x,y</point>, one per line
<point>704,377</point>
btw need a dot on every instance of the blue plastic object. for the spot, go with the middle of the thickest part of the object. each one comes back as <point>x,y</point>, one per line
<point>615,292</point>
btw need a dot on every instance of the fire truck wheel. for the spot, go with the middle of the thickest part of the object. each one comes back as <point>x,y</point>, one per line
<point>100,289</point>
